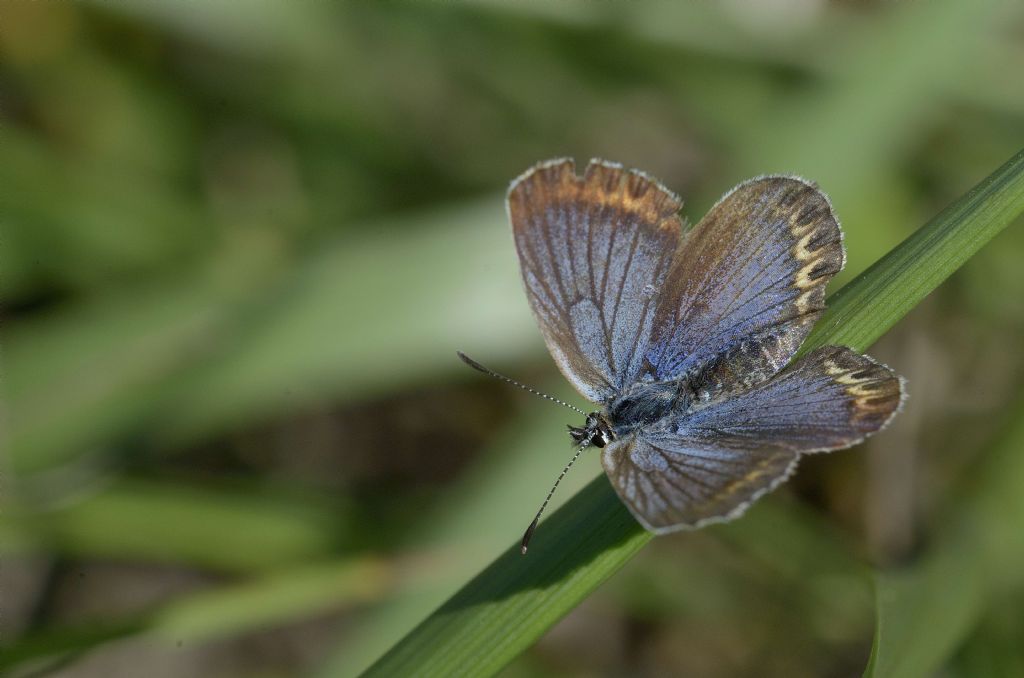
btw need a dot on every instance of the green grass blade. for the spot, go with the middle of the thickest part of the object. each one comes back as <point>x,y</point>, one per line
<point>513,601</point>
<point>505,608</point>
<point>921,617</point>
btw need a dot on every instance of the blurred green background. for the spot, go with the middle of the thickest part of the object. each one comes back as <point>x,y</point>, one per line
<point>241,245</point>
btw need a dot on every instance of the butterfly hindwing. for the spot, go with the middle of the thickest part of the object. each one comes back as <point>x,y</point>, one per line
<point>827,400</point>
<point>593,252</point>
<point>671,482</point>
<point>748,279</point>
<point>713,461</point>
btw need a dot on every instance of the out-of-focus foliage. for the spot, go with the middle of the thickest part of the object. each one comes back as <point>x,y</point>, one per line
<point>239,250</point>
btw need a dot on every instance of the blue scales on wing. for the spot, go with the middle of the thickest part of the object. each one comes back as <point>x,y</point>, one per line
<point>709,461</point>
<point>746,285</point>
<point>593,251</point>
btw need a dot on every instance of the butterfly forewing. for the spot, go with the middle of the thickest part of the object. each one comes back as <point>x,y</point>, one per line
<point>594,251</point>
<point>748,282</point>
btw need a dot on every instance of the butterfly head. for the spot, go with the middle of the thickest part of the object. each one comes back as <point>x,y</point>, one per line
<point>595,431</point>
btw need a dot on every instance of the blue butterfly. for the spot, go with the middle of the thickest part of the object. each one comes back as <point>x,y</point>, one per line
<point>684,337</point>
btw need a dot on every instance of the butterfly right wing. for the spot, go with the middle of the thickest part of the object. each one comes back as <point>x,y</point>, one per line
<point>747,285</point>
<point>711,462</point>
<point>593,252</point>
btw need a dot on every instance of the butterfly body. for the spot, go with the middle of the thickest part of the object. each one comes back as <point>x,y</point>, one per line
<point>645,404</point>
<point>686,337</point>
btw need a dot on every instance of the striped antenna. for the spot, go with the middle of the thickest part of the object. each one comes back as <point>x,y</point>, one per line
<point>480,368</point>
<point>533,526</point>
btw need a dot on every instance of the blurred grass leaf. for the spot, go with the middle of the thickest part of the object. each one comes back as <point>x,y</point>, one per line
<point>213,361</point>
<point>925,611</point>
<point>214,527</point>
<point>271,600</point>
<point>192,356</point>
<point>161,287</point>
<point>515,600</point>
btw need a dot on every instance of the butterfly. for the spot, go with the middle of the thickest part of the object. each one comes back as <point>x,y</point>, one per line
<point>685,337</point>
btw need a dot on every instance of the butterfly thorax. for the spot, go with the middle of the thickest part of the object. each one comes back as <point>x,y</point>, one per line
<point>644,403</point>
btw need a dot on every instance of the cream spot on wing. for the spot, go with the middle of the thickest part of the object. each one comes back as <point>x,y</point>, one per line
<point>863,390</point>
<point>802,231</point>
<point>803,302</point>
<point>809,258</point>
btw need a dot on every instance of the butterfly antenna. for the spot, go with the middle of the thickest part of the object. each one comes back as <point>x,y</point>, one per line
<point>477,366</point>
<point>533,526</point>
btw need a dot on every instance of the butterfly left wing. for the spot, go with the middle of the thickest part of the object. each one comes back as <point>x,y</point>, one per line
<point>712,462</point>
<point>593,252</point>
<point>671,482</point>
